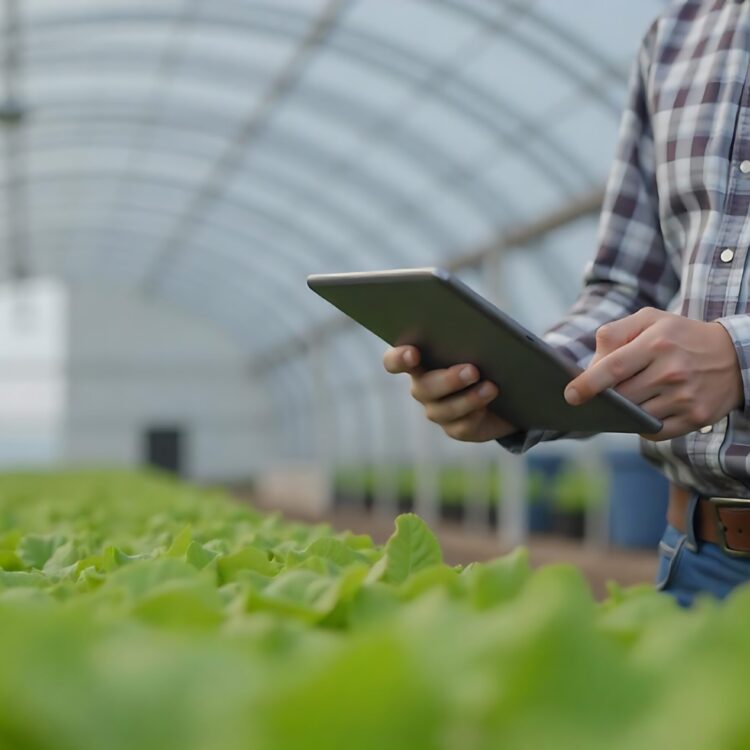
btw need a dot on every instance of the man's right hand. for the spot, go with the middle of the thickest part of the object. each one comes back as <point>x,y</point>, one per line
<point>452,398</point>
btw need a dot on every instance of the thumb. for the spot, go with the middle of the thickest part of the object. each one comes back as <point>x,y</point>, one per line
<point>612,336</point>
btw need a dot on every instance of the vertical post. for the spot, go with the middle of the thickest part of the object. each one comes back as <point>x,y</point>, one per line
<point>476,499</point>
<point>513,523</point>
<point>512,514</point>
<point>426,476</point>
<point>323,419</point>
<point>596,516</point>
<point>385,490</point>
<point>11,122</point>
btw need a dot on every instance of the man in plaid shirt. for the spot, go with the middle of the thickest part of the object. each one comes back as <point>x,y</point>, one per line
<point>664,315</point>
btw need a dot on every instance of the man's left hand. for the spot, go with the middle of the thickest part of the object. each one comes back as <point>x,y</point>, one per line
<point>684,372</point>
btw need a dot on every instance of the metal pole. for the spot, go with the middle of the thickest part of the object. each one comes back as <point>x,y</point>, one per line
<point>426,470</point>
<point>324,427</point>
<point>513,522</point>
<point>385,489</point>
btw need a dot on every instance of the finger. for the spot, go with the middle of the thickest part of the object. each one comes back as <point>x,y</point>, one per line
<point>612,336</point>
<point>479,427</point>
<point>466,429</point>
<point>672,427</point>
<point>611,370</point>
<point>436,384</point>
<point>661,406</point>
<point>642,387</point>
<point>398,359</point>
<point>457,407</point>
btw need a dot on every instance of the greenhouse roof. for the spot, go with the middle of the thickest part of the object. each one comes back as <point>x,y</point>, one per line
<point>212,154</point>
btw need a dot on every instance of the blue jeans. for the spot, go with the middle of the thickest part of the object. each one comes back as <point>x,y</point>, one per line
<point>684,572</point>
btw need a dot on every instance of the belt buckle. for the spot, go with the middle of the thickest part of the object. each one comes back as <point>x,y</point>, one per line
<point>728,502</point>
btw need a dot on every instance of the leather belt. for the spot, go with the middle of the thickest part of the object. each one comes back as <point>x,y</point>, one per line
<point>721,520</point>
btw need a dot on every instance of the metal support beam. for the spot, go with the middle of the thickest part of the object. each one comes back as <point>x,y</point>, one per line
<point>516,237</point>
<point>251,129</point>
<point>11,119</point>
<point>323,418</point>
<point>426,472</point>
<point>512,239</point>
<point>512,516</point>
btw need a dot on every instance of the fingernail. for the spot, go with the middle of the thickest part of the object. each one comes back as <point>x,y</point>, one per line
<point>486,390</point>
<point>409,357</point>
<point>467,375</point>
<point>572,396</point>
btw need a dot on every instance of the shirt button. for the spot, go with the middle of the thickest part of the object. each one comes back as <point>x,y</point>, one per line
<point>726,255</point>
<point>745,166</point>
<point>705,430</point>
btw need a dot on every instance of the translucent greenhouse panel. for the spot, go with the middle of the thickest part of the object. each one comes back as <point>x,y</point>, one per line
<point>589,133</point>
<point>234,45</point>
<point>346,73</point>
<point>517,77</point>
<point>553,274</point>
<point>615,29</point>
<point>397,22</point>
<point>253,315</point>
<point>43,8</point>
<point>468,221</point>
<point>332,130</point>
<point>59,24</point>
<point>309,235</point>
<point>525,193</point>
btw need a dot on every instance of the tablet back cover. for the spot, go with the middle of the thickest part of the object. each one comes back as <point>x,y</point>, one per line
<point>451,324</point>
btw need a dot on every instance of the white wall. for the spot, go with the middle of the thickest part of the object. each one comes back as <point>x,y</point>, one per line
<point>32,350</point>
<point>133,363</point>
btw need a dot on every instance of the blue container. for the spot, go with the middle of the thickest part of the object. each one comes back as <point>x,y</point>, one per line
<point>638,497</point>
<point>541,509</point>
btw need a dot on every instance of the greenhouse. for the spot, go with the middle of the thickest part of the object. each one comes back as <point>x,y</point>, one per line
<point>224,521</point>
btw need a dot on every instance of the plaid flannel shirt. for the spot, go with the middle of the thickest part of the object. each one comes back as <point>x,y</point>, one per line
<point>675,225</point>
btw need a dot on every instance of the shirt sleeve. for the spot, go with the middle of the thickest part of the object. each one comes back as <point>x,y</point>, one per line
<point>631,268</point>
<point>738,327</point>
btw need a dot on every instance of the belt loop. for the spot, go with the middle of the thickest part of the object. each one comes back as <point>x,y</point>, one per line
<point>691,541</point>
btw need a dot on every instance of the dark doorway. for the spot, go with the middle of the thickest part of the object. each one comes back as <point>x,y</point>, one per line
<point>164,448</point>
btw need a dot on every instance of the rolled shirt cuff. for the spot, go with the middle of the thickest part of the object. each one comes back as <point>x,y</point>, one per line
<point>738,327</point>
<point>523,440</point>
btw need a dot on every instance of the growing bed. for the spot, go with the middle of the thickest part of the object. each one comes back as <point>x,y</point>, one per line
<point>136,612</point>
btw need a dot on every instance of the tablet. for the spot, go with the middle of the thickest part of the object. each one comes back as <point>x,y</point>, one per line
<point>450,324</point>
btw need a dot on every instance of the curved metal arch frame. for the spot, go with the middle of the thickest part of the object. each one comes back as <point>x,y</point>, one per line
<point>409,213</point>
<point>368,183</point>
<point>361,354</point>
<point>493,202</point>
<point>573,41</point>
<point>226,281</point>
<point>299,382</point>
<point>293,329</point>
<point>181,302</point>
<point>463,99</point>
<point>323,102</point>
<point>340,216</point>
<point>326,103</point>
<point>288,23</point>
<point>486,202</point>
<point>277,220</point>
<point>297,385</point>
<point>416,149</point>
<point>260,262</point>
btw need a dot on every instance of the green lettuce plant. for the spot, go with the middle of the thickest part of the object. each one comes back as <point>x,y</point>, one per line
<point>138,612</point>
